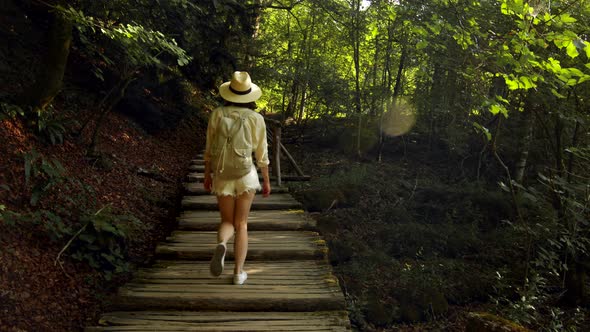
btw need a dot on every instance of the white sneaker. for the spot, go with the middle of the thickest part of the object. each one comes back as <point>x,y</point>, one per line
<point>240,278</point>
<point>216,265</point>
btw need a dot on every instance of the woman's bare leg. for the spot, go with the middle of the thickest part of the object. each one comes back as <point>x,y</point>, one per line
<point>226,209</point>
<point>242,209</point>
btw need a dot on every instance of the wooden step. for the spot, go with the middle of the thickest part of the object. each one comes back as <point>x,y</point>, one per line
<point>257,221</point>
<point>198,177</point>
<point>223,321</point>
<point>196,188</point>
<point>262,245</point>
<point>273,202</point>
<point>197,168</point>
<point>271,286</point>
<point>197,162</point>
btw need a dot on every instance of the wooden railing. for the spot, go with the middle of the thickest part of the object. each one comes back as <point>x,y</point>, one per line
<point>273,133</point>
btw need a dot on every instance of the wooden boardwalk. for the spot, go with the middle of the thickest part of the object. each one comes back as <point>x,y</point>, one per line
<point>290,285</point>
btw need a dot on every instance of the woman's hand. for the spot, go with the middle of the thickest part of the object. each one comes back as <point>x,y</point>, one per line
<point>208,182</point>
<point>266,188</point>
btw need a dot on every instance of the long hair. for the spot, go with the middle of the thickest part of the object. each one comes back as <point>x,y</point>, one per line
<point>251,105</point>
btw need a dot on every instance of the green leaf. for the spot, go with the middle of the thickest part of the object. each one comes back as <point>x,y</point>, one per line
<point>483,130</point>
<point>575,72</point>
<point>35,197</point>
<point>512,84</point>
<point>497,108</point>
<point>89,238</point>
<point>553,65</point>
<point>102,225</point>
<point>421,45</point>
<point>572,50</point>
<point>526,82</point>
<point>504,9</point>
<point>567,18</point>
<point>557,94</point>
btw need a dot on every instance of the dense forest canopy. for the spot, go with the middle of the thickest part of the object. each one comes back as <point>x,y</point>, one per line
<point>513,73</point>
<point>499,90</point>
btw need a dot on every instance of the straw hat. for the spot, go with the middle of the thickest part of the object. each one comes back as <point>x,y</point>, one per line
<point>240,89</point>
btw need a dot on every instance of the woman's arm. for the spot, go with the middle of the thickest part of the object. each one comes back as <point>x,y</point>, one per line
<point>261,153</point>
<point>265,182</point>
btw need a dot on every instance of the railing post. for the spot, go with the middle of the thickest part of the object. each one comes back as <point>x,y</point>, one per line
<point>277,153</point>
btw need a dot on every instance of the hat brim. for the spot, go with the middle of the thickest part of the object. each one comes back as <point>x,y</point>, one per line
<point>228,95</point>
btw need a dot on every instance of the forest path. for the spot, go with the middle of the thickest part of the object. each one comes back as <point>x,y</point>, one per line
<point>290,284</point>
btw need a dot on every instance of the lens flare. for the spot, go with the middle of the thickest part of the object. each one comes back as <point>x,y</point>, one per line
<point>399,117</point>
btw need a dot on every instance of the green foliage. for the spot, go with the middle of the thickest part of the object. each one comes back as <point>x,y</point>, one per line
<point>10,111</point>
<point>102,241</point>
<point>53,225</point>
<point>141,46</point>
<point>558,235</point>
<point>42,175</point>
<point>51,126</point>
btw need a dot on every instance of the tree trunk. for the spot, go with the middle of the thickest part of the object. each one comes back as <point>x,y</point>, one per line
<point>397,90</point>
<point>356,44</point>
<point>527,138</point>
<point>49,81</point>
<point>110,101</point>
<point>436,100</point>
<point>575,284</point>
<point>308,55</point>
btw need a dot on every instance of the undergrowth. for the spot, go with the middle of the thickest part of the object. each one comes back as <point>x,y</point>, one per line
<point>409,245</point>
<point>61,208</point>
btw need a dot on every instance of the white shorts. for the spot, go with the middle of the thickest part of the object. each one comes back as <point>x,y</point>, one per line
<point>249,182</point>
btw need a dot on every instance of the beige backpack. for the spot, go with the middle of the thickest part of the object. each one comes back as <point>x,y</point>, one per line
<point>231,148</point>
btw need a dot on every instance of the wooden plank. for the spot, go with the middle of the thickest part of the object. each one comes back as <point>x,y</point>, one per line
<point>173,280</point>
<point>164,328</point>
<point>273,202</point>
<point>290,286</point>
<point>198,177</point>
<point>257,221</point>
<point>226,317</point>
<point>293,214</point>
<point>196,189</point>
<point>199,161</point>
<point>253,237</point>
<point>197,168</point>
<point>257,240</point>
<point>226,321</point>
<point>192,289</point>
<point>255,252</point>
<point>235,300</point>
<point>266,266</point>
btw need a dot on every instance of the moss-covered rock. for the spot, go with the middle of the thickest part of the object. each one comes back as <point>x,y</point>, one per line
<point>486,322</point>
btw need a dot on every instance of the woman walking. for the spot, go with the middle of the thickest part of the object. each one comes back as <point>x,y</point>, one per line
<point>234,132</point>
